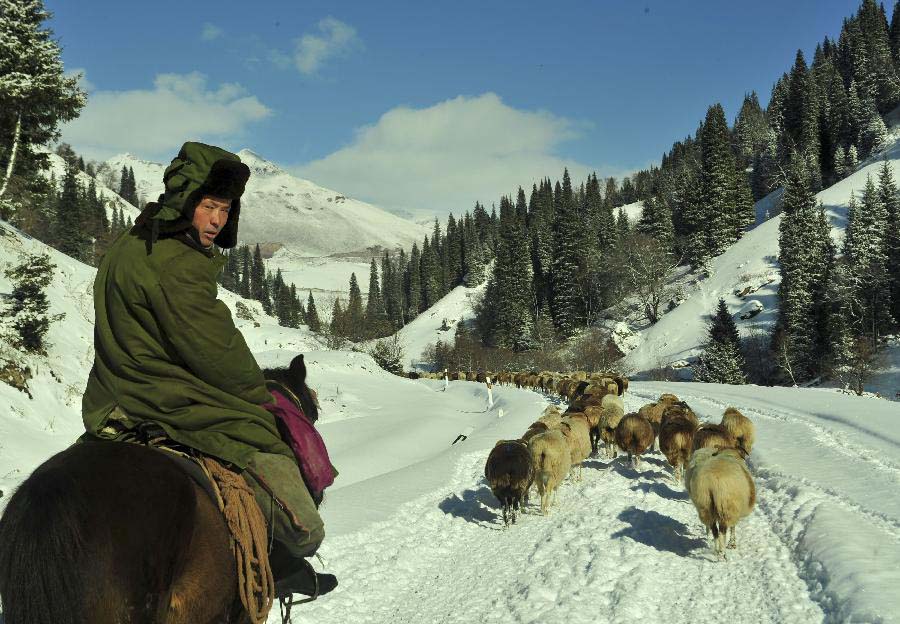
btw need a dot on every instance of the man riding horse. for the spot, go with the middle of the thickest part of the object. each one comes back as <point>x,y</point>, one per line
<point>168,355</point>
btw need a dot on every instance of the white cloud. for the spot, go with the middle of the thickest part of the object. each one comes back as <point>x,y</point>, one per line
<point>210,32</point>
<point>443,158</point>
<point>154,123</point>
<point>335,38</point>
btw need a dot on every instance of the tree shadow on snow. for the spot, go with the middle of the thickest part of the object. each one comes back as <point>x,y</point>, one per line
<point>477,506</point>
<point>658,531</point>
<point>663,490</point>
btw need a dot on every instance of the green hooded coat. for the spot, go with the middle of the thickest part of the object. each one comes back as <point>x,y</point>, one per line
<point>166,349</point>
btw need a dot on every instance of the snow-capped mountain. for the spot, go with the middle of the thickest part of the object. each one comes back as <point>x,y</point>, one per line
<point>278,208</point>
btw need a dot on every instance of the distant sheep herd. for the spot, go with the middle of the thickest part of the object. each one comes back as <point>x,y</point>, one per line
<point>708,458</point>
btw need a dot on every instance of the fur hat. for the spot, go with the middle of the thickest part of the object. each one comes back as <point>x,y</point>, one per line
<point>199,170</point>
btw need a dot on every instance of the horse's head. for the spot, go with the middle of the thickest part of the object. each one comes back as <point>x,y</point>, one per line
<point>294,379</point>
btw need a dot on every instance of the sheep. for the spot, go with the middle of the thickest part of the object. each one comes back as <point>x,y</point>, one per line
<point>722,490</point>
<point>634,435</point>
<point>536,428</point>
<point>740,427</point>
<point>609,421</point>
<point>509,472</point>
<point>711,435</point>
<point>676,435</point>
<point>682,410</point>
<point>577,431</point>
<point>653,412</point>
<point>551,417</point>
<point>611,412</point>
<point>621,383</point>
<point>551,460</point>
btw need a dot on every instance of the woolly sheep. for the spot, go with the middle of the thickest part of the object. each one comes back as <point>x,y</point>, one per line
<point>509,472</point>
<point>577,432</point>
<point>680,409</point>
<point>676,435</point>
<point>740,427</point>
<point>634,435</point>
<point>551,460</point>
<point>722,490</point>
<point>609,421</point>
<point>711,435</point>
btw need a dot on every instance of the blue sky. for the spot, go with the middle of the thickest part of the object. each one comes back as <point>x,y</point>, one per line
<point>422,106</point>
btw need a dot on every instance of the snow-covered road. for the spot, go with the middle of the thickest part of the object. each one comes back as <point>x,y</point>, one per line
<point>626,545</point>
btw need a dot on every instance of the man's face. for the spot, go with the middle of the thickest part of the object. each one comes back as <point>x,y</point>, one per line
<point>210,216</point>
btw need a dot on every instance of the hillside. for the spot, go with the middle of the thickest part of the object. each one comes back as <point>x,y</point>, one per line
<point>309,220</point>
<point>752,264</point>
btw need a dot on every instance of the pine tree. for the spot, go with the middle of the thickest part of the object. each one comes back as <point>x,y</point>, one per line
<point>355,316</point>
<point>750,129</point>
<point>312,315</point>
<point>429,268</point>
<point>887,194</point>
<point>805,265</point>
<point>35,98</point>
<point>512,276</point>
<point>717,212</point>
<point>656,222</point>
<point>564,276</point>
<point>70,236</point>
<point>28,303</point>
<point>246,270</point>
<point>867,265</point>
<point>257,275</point>
<point>413,284</point>
<point>376,319</point>
<point>339,326</point>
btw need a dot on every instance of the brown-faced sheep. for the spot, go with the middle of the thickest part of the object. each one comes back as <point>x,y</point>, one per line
<point>611,412</point>
<point>634,435</point>
<point>609,421</point>
<point>509,472</point>
<point>711,435</point>
<point>551,460</point>
<point>676,436</point>
<point>577,431</point>
<point>740,427</point>
<point>653,412</point>
<point>722,490</point>
<point>621,384</point>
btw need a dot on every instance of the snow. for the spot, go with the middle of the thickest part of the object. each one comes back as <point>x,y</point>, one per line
<point>633,211</point>
<point>414,534</point>
<point>426,329</point>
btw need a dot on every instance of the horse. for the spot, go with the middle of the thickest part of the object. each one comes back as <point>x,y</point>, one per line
<point>107,532</point>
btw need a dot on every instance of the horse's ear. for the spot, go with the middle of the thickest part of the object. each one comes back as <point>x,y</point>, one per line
<point>298,369</point>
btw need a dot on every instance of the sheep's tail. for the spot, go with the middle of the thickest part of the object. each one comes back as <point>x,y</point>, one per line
<point>545,474</point>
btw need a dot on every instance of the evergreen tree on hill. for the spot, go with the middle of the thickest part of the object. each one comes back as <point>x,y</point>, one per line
<point>413,286</point>
<point>887,194</point>
<point>354,317</point>
<point>376,319</point>
<point>564,276</point>
<point>722,360</point>
<point>35,98</point>
<point>71,238</point>
<point>312,315</point>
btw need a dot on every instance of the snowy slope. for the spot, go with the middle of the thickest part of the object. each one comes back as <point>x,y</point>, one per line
<point>414,534</point>
<point>426,328</point>
<point>280,208</point>
<point>751,262</point>
<point>113,199</point>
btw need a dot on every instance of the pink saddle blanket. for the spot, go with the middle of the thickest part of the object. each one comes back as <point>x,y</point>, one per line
<point>306,443</point>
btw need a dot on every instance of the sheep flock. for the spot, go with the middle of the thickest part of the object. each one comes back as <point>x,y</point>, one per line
<point>709,459</point>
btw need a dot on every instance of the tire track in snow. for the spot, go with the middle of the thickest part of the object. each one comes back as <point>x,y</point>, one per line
<point>622,545</point>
